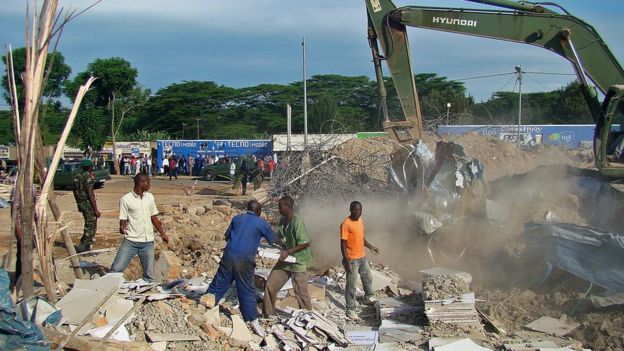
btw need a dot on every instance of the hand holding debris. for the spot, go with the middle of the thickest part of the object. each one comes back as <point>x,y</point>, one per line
<point>283,255</point>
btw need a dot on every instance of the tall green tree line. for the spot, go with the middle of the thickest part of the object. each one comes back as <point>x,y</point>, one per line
<point>118,106</point>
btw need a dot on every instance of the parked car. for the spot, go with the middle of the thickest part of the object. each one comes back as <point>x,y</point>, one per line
<point>222,170</point>
<point>64,177</point>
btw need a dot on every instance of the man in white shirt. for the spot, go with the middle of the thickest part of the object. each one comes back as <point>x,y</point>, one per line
<point>137,219</point>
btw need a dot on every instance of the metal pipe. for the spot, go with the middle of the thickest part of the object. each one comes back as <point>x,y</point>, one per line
<point>522,6</point>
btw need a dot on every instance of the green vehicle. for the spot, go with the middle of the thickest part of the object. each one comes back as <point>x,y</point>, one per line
<point>64,177</point>
<point>222,170</point>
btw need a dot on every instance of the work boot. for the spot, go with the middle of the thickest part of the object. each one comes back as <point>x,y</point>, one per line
<point>82,247</point>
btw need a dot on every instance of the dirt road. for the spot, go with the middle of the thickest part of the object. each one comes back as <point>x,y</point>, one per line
<point>166,193</point>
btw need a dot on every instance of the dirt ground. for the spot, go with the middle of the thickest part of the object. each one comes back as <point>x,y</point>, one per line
<point>166,192</point>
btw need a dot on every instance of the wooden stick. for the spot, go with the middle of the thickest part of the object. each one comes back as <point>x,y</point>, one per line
<point>86,319</point>
<point>120,322</point>
<point>86,343</point>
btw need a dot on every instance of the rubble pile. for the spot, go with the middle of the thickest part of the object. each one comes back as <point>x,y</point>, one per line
<point>448,301</point>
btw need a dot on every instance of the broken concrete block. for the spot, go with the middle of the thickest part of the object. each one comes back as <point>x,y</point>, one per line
<point>240,332</point>
<point>213,316</point>
<point>380,280</point>
<point>197,319</point>
<point>196,210</point>
<point>164,307</point>
<point>167,266</point>
<point>254,346</point>
<point>208,300</point>
<point>221,202</point>
<point>212,331</point>
<point>159,346</point>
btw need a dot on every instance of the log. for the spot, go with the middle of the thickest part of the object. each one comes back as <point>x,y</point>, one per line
<point>86,343</point>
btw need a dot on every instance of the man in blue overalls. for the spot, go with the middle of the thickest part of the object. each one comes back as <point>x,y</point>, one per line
<point>239,259</point>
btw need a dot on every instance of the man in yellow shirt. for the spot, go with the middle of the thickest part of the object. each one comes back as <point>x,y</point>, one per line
<point>354,261</point>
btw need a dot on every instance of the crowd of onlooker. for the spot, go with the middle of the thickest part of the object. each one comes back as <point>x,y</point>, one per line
<point>188,165</point>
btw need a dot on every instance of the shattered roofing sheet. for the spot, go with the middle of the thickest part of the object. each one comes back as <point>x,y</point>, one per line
<point>587,253</point>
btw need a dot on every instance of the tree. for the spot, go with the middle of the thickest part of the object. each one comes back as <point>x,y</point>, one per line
<point>324,109</point>
<point>116,81</point>
<point>54,87</point>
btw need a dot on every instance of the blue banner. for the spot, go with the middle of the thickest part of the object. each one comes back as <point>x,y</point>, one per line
<point>570,136</point>
<point>221,148</point>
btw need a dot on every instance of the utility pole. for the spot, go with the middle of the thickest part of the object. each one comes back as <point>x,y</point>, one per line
<point>197,128</point>
<point>305,99</point>
<point>288,126</point>
<point>183,125</point>
<point>519,73</point>
<point>448,112</point>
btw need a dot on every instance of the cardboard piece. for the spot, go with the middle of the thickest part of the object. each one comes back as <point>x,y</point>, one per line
<point>362,337</point>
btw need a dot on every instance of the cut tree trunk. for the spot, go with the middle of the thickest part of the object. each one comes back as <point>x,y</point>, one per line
<point>56,212</point>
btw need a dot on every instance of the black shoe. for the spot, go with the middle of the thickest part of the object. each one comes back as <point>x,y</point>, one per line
<point>83,248</point>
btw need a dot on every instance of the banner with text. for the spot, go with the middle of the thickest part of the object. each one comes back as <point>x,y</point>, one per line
<point>570,136</point>
<point>219,148</point>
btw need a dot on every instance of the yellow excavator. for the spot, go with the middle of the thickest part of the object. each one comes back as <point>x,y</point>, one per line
<point>546,25</point>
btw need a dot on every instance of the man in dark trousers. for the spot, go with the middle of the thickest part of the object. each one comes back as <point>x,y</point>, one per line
<point>354,261</point>
<point>294,239</point>
<point>85,199</point>
<point>239,260</point>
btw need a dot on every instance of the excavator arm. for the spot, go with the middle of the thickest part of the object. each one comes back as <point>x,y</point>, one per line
<point>526,23</point>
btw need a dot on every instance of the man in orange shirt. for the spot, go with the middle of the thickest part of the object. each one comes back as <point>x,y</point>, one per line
<point>352,243</point>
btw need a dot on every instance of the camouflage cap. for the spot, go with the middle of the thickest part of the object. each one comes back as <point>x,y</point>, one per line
<point>87,163</point>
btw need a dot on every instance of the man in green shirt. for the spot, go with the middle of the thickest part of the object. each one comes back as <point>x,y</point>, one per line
<point>293,237</point>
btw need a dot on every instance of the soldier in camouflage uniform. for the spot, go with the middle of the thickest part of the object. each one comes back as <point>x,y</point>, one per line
<point>85,199</point>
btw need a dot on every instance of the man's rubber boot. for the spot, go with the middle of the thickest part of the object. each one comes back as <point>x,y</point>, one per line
<point>82,247</point>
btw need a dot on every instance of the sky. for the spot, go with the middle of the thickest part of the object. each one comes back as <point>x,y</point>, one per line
<point>245,43</point>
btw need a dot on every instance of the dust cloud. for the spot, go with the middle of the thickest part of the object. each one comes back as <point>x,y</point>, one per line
<point>489,243</point>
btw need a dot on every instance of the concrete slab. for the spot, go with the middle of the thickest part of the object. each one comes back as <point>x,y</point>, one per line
<point>86,295</point>
<point>240,331</point>
<point>553,326</point>
<point>463,345</point>
<point>391,331</point>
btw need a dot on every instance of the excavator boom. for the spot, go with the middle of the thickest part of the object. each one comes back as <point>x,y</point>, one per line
<point>521,22</point>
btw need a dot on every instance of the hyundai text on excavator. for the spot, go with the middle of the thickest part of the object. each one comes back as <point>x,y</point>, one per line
<point>546,25</point>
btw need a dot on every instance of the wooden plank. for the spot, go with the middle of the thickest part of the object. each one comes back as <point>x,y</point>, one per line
<point>120,322</point>
<point>85,343</point>
<point>156,337</point>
